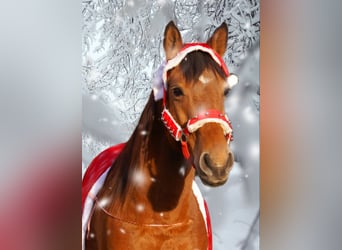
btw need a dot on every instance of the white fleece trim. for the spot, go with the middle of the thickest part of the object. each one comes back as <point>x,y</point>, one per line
<point>89,203</point>
<point>193,127</point>
<point>232,80</point>
<point>200,201</point>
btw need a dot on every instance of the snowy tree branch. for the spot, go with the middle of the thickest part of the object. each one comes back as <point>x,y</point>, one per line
<point>252,233</point>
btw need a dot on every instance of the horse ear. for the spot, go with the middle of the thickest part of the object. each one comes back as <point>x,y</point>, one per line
<point>172,40</point>
<point>218,41</point>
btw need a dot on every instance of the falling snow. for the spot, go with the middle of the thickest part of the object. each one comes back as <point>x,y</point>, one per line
<point>249,115</point>
<point>139,178</point>
<point>143,132</point>
<point>103,202</point>
<point>140,207</point>
<point>182,170</point>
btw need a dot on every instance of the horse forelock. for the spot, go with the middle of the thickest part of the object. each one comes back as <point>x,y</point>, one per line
<point>195,63</point>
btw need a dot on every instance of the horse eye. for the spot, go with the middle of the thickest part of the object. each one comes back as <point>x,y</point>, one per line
<point>226,91</point>
<point>177,92</point>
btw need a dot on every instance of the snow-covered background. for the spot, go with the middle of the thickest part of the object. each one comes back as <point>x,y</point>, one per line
<point>122,47</point>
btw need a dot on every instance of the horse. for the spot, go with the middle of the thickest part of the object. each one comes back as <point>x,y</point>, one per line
<point>147,200</point>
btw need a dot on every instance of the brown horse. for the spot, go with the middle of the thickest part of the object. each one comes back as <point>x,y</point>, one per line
<point>147,201</point>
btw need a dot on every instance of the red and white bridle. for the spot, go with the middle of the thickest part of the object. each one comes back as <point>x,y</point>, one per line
<point>208,116</point>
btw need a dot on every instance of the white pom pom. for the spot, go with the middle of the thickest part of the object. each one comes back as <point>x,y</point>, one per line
<point>232,80</point>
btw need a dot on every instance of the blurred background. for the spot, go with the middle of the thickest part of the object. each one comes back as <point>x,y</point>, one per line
<point>122,48</point>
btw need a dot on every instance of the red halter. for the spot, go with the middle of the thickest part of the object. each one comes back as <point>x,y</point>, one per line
<point>208,116</point>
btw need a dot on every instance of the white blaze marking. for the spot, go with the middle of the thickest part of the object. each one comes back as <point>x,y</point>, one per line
<point>204,79</point>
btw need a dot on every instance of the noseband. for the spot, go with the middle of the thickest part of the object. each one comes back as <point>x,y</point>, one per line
<point>199,120</point>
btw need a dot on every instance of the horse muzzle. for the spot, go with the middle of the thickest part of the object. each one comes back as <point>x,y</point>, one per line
<point>213,171</point>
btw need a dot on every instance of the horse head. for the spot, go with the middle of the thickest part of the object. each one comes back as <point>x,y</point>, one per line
<point>196,84</point>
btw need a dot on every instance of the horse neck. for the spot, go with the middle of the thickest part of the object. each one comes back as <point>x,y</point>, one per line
<point>172,175</point>
<point>162,179</point>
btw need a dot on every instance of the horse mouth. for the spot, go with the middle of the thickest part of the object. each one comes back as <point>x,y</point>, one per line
<point>212,183</point>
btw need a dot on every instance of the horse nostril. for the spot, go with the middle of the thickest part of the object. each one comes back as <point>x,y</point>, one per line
<point>205,164</point>
<point>230,160</point>
<point>209,162</point>
<point>206,159</point>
